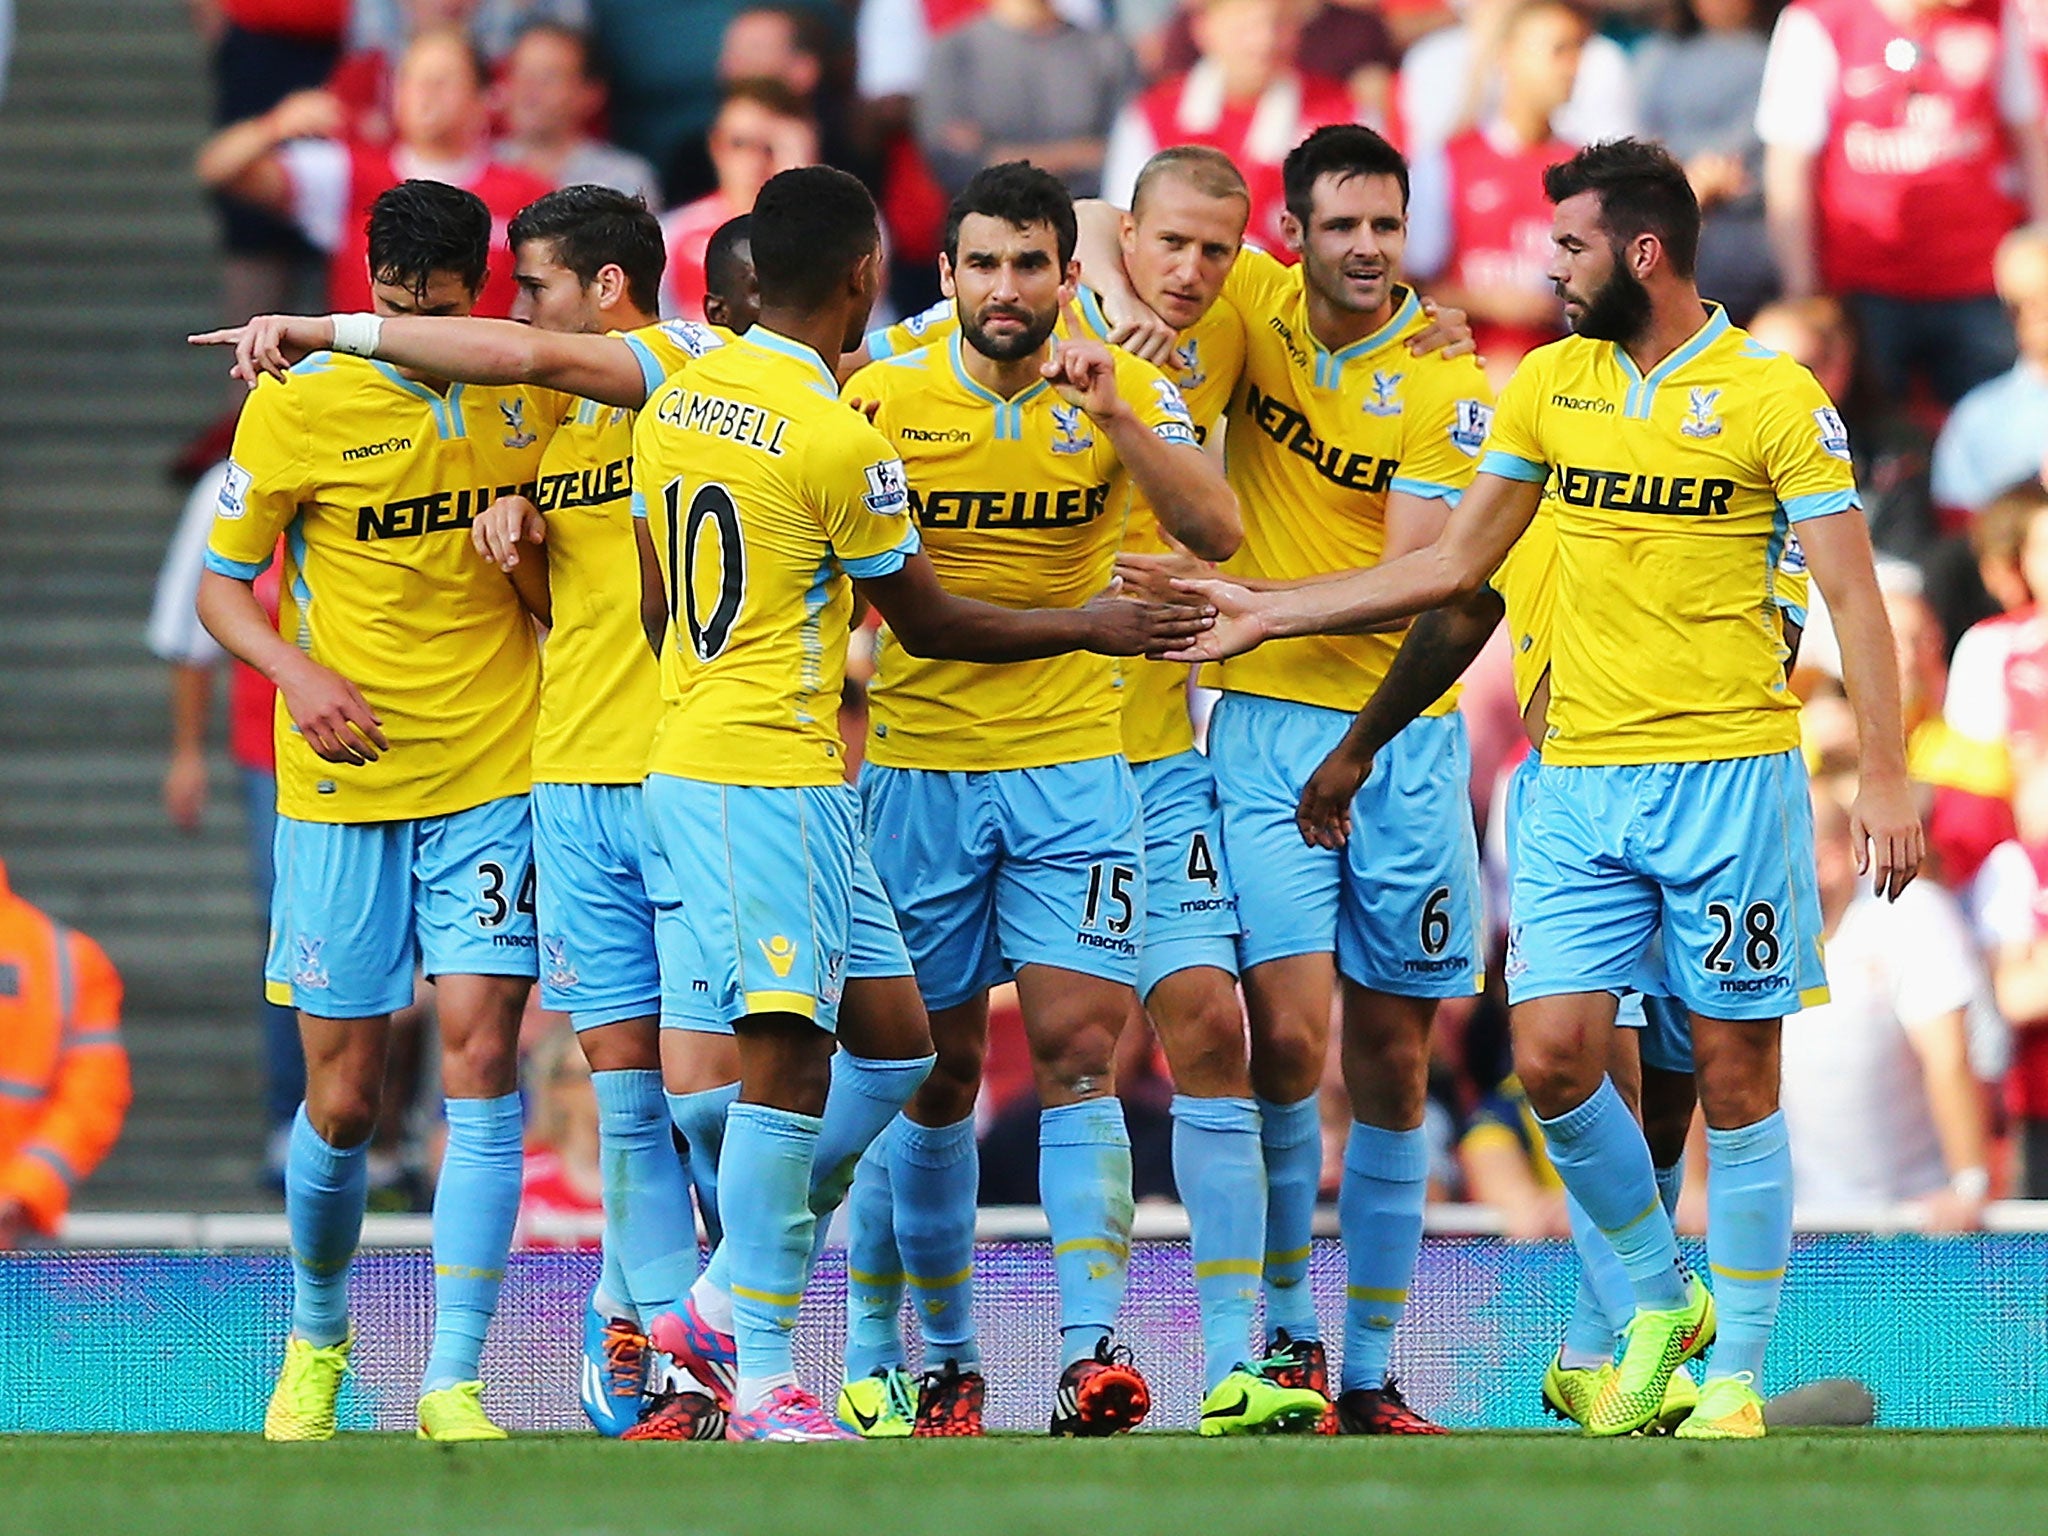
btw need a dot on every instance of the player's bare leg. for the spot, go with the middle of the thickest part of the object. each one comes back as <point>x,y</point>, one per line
<point>1385,1054</point>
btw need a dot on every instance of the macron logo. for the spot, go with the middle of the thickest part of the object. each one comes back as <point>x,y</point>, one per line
<point>372,450</point>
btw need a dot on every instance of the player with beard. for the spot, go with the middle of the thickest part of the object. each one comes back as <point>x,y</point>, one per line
<point>1345,450</point>
<point>1679,456</point>
<point>1001,813</point>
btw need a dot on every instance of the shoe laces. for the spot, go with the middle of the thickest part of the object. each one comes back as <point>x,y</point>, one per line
<point>1109,1353</point>
<point>625,1356</point>
<point>901,1389</point>
<point>795,1405</point>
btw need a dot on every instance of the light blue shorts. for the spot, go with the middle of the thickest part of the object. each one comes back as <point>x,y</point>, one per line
<point>1717,856</point>
<point>597,956</point>
<point>1190,903</point>
<point>753,894</point>
<point>876,951</point>
<point>357,908</point>
<point>990,872</point>
<point>1665,1041</point>
<point>1399,905</point>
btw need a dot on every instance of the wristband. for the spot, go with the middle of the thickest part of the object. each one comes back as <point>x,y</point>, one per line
<point>1971,1183</point>
<point>356,334</point>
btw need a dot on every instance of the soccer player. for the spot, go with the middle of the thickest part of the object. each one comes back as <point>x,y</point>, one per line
<point>1184,230</point>
<point>406,671</point>
<point>1345,449</point>
<point>767,500</point>
<point>588,260</point>
<point>1000,812</point>
<point>1680,455</point>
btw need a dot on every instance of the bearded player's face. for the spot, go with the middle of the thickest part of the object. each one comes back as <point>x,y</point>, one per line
<point>1603,299</point>
<point>1007,283</point>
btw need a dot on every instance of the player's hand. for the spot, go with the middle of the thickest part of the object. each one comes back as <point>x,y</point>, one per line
<point>503,526</point>
<point>1237,627</point>
<point>1323,813</point>
<point>270,343</point>
<point>1082,371</point>
<point>185,788</point>
<point>1449,332</point>
<point>1151,576</point>
<point>1885,831</point>
<point>1136,327</point>
<point>314,114</point>
<point>1122,625</point>
<point>332,714</point>
<point>868,408</point>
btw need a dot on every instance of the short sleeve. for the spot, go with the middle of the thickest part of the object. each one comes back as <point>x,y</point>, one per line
<point>1799,79</point>
<point>1444,424</point>
<point>1930,959</point>
<point>318,170</point>
<point>1156,400</point>
<point>1513,448</point>
<point>1805,446</point>
<point>668,345</point>
<point>264,485</point>
<point>1258,281</point>
<point>175,633</point>
<point>907,335</point>
<point>863,498</point>
<point>1791,585</point>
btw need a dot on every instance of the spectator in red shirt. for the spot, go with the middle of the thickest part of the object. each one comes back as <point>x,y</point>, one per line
<point>1479,224</point>
<point>289,162</point>
<point>1245,98</point>
<point>762,127</point>
<point>1892,130</point>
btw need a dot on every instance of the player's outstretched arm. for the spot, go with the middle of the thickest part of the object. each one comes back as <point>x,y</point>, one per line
<point>471,350</point>
<point>928,621</point>
<point>1477,537</point>
<point>1884,825</point>
<point>1434,654</point>
<point>329,710</point>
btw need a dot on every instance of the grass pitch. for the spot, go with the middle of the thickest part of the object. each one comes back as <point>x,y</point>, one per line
<point>1811,1483</point>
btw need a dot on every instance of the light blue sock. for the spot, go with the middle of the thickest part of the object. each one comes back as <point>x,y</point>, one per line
<point>646,1197</point>
<point>764,1184</point>
<point>1221,1174</point>
<point>700,1116</point>
<point>1749,1239</point>
<point>324,1192</point>
<point>1291,1136</point>
<point>613,1297</point>
<point>865,1096</point>
<point>475,1207</point>
<point>1599,1152</point>
<point>934,1172</point>
<point>1084,1184</point>
<point>874,1269</point>
<point>1379,1212</point>
<point>1670,1181</point>
<point>1604,1303</point>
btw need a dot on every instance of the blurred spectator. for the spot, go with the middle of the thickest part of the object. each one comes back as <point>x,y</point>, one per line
<point>1479,224</point>
<point>196,659</point>
<point>1880,1098</point>
<point>1245,98</point>
<point>1998,679</point>
<point>1890,450</point>
<point>893,40</point>
<point>562,1180</point>
<point>762,127</point>
<point>548,99</point>
<point>287,161</point>
<point>1994,437</point>
<point>795,46</point>
<point>2010,902</point>
<point>1507,1168</point>
<point>1019,83</point>
<point>379,32</point>
<point>1698,90</point>
<point>1890,128</point>
<point>1449,82</point>
<point>64,1087</point>
<point>1348,42</point>
<point>263,51</point>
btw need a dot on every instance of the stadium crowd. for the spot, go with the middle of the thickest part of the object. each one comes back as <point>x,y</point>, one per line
<point>1875,185</point>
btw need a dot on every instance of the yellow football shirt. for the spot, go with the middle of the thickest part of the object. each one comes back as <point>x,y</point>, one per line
<point>600,689</point>
<point>1317,441</point>
<point>1673,496</point>
<point>372,480</point>
<point>1020,502</point>
<point>1206,363</point>
<point>765,494</point>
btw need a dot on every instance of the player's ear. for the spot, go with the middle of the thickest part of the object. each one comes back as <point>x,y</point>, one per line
<point>1070,285</point>
<point>611,285</point>
<point>1291,232</point>
<point>946,276</point>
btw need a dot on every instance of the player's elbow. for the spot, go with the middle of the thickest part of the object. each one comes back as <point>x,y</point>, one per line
<point>1216,531</point>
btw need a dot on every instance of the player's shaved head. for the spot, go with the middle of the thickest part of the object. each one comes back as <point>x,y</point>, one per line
<point>589,228</point>
<point>1208,171</point>
<point>423,229</point>
<point>812,227</point>
<point>732,297</point>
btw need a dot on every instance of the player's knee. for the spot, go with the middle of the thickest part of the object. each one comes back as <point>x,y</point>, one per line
<point>1387,1075</point>
<point>1205,1045</point>
<point>1556,1077</point>
<point>481,1063</point>
<point>343,1114</point>
<point>1078,1061</point>
<point>948,1092</point>
<point>1287,1059</point>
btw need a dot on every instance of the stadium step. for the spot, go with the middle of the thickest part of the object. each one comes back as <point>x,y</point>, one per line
<point>112,262</point>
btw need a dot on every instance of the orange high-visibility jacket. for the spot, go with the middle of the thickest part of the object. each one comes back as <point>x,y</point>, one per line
<point>63,1072</point>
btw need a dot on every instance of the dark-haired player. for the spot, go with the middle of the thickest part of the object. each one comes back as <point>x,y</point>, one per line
<point>1678,456</point>
<point>406,675</point>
